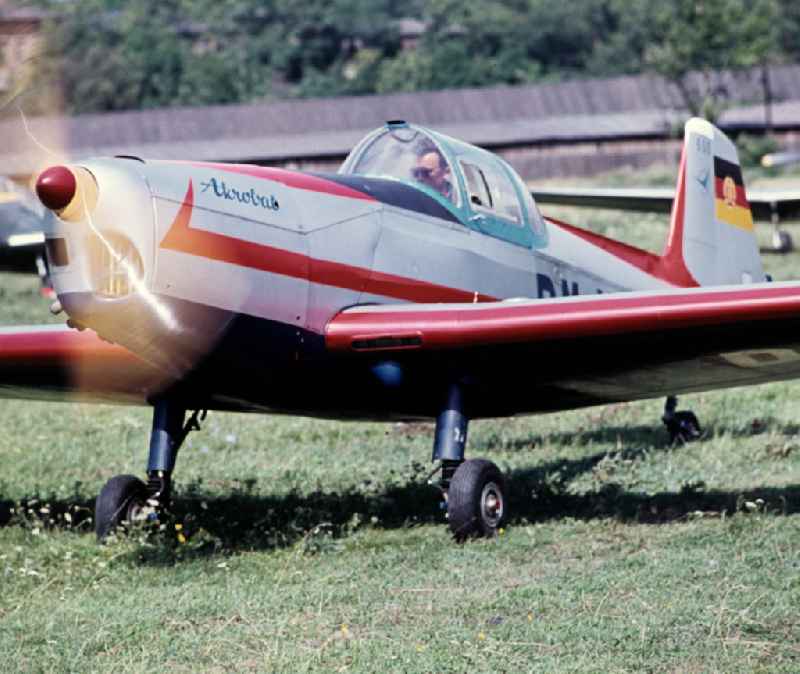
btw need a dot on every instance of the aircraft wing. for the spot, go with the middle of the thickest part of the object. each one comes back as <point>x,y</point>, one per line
<point>784,204</point>
<point>54,362</point>
<point>550,354</point>
<point>775,159</point>
<point>514,356</point>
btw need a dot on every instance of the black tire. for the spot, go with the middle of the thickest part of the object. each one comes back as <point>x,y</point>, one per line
<point>117,503</point>
<point>476,500</point>
<point>689,426</point>
<point>782,242</point>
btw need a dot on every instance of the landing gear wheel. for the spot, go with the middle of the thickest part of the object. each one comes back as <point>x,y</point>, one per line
<point>688,426</point>
<point>682,426</point>
<point>782,241</point>
<point>476,500</point>
<point>120,502</point>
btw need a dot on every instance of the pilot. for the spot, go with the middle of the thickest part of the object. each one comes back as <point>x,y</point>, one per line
<point>433,170</point>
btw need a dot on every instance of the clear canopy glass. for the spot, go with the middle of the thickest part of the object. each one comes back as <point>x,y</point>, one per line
<point>409,155</point>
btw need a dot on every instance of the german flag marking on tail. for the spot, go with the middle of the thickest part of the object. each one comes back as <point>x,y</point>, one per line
<point>730,202</point>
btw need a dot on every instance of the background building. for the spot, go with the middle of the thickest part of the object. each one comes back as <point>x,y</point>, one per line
<point>546,130</point>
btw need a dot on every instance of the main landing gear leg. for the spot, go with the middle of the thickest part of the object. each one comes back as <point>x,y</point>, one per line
<point>125,499</point>
<point>682,425</point>
<point>474,490</point>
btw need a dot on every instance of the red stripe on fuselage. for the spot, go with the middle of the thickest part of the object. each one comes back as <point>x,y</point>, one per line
<point>670,266</point>
<point>642,259</point>
<point>673,265</point>
<point>295,179</point>
<point>223,248</point>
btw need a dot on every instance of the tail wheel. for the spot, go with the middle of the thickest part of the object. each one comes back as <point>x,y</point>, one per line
<point>683,427</point>
<point>476,500</point>
<point>689,425</point>
<point>121,501</point>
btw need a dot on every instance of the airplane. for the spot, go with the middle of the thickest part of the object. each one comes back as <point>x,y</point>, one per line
<point>419,282</point>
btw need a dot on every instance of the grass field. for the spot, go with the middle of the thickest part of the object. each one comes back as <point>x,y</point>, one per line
<point>306,546</point>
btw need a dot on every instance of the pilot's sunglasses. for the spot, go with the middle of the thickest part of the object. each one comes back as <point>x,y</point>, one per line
<point>420,173</point>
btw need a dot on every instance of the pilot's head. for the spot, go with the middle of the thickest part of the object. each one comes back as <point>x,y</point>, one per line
<point>432,169</point>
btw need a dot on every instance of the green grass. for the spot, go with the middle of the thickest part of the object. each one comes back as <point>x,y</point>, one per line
<point>315,546</point>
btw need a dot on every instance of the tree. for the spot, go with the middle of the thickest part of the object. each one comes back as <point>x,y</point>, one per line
<point>789,30</point>
<point>122,54</point>
<point>620,42</point>
<point>111,55</point>
<point>466,45</point>
<point>701,39</point>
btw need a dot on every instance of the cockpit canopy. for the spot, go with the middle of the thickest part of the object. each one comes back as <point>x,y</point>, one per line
<point>479,187</point>
<point>405,153</point>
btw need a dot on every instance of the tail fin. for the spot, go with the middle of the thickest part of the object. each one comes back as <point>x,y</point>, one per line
<point>711,240</point>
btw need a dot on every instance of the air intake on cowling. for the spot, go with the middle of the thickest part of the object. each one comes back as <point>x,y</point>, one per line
<point>116,266</point>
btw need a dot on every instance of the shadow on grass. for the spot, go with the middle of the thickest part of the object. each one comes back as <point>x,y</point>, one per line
<point>650,436</point>
<point>653,437</point>
<point>246,519</point>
